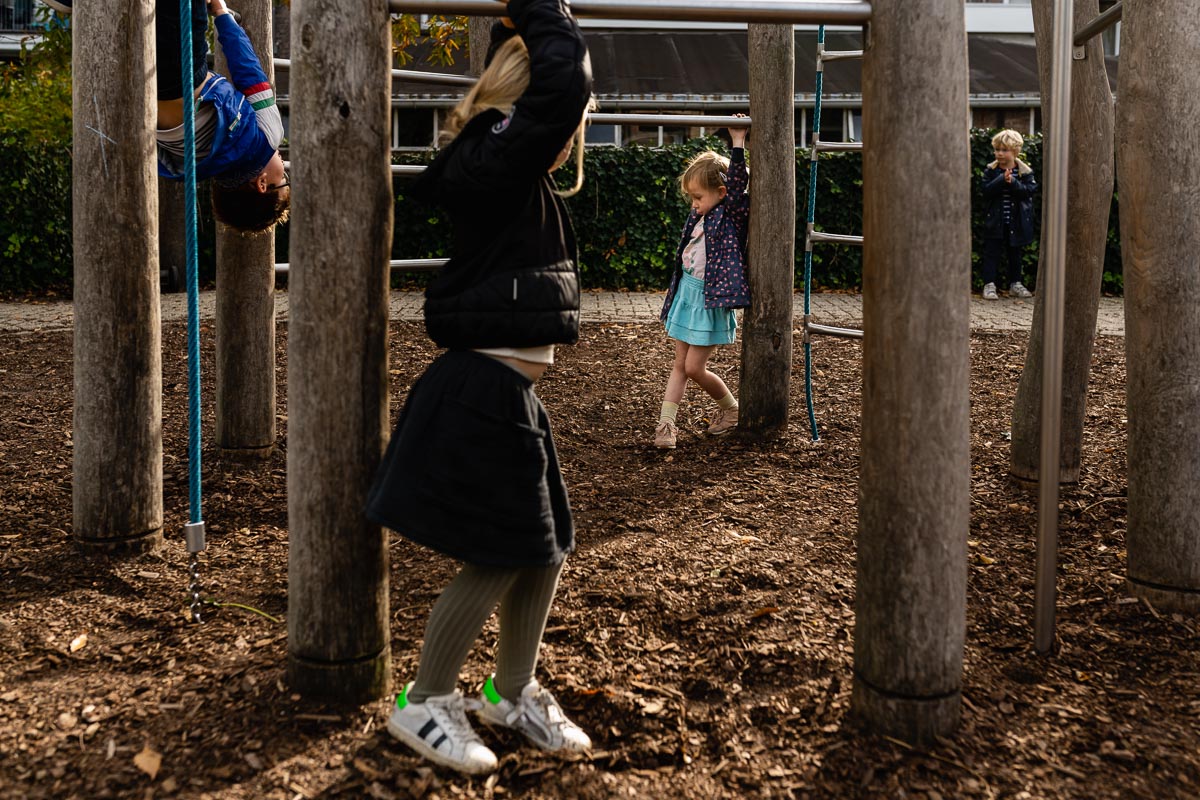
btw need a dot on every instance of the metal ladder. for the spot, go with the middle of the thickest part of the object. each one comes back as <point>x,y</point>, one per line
<point>812,236</point>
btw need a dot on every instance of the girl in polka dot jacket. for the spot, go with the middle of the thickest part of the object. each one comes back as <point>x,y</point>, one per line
<point>708,284</point>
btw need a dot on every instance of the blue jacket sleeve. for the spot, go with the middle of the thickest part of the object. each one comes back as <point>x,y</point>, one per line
<point>244,70</point>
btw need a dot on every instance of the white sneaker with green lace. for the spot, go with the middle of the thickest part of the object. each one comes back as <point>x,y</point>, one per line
<point>537,715</point>
<point>438,729</point>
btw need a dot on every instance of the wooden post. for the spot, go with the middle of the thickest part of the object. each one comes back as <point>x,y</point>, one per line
<point>341,235</point>
<point>914,485</point>
<point>1089,193</point>
<point>1158,142</point>
<point>245,326</point>
<point>767,336</point>
<point>245,304</point>
<point>117,489</point>
<point>172,249</point>
<point>479,35</point>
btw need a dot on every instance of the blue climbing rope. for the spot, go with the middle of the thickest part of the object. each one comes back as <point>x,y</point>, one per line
<point>195,528</point>
<point>811,216</point>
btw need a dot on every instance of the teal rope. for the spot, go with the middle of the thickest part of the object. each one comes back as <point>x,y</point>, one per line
<point>811,216</point>
<point>193,285</point>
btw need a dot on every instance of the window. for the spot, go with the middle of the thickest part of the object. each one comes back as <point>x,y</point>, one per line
<point>600,135</point>
<point>412,128</point>
<point>644,135</point>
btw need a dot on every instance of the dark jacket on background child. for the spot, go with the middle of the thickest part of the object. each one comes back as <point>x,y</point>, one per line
<point>1020,194</point>
<point>726,228</point>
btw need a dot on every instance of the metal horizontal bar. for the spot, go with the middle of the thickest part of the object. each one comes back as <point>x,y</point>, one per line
<point>689,120</point>
<point>285,64</point>
<point>838,238</point>
<point>1098,25</point>
<point>400,265</point>
<point>845,333</point>
<point>771,11</point>
<point>837,147</point>
<point>397,169</point>
<point>838,55</point>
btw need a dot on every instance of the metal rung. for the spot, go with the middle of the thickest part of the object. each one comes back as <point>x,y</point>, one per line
<point>838,55</point>
<point>839,238</point>
<point>400,265</point>
<point>397,169</point>
<point>837,147</point>
<point>689,120</point>
<point>285,65</point>
<point>840,12</point>
<point>845,333</point>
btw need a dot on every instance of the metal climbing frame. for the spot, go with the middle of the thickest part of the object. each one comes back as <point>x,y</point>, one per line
<point>811,236</point>
<point>842,12</point>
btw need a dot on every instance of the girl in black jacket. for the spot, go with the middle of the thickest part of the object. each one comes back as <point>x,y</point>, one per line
<point>471,470</point>
<point>1008,188</point>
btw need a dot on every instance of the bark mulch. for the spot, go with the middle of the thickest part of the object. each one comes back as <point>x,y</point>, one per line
<point>703,633</point>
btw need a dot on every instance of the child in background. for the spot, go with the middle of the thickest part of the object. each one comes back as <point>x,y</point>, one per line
<point>708,284</point>
<point>1008,188</point>
<point>471,470</point>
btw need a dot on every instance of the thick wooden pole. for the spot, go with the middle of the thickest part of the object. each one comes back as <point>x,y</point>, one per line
<point>1089,193</point>
<point>117,490</point>
<point>341,235</point>
<point>172,250</point>
<point>914,486</point>
<point>245,364</point>
<point>479,34</point>
<point>1158,146</point>
<point>767,337</point>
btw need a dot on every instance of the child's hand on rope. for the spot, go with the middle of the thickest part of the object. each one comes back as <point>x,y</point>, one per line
<point>737,136</point>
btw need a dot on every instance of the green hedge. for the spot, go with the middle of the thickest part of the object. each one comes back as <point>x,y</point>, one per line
<point>628,217</point>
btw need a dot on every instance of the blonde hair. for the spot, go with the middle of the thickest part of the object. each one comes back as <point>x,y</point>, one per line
<point>706,171</point>
<point>499,87</point>
<point>1010,139</point>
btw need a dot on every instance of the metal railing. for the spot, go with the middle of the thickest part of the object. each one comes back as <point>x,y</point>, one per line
<point>285,65</point>
<point>842,12</point>
<point>1097,26</point>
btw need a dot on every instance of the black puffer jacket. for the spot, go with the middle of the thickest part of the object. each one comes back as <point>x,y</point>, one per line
<point>512,280</point>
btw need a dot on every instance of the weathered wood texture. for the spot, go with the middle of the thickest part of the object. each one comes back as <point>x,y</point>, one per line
<point>245,327</point>
<point>767,334</point>
<point>1158,162</point>
<point>341,235</point>
<point>1089,196</point>
<point>915,479</point>
<point>172,249</point>
<point>479,34</point>
<point>117,489</point>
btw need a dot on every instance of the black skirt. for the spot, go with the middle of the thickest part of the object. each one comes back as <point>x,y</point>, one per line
<point>471,470</point>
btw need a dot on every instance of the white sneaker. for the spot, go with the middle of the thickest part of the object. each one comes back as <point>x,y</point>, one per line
<point>537,715</point>
<point>1017,289</point>
<point>989,292</point>
<point>438,729</point>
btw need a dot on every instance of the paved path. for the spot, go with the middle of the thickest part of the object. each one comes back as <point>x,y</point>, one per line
<point>828,309</point>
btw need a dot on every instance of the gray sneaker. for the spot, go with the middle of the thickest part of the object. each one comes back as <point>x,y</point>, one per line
<point>1017,289</point>
<point>989,292</point>
<point>664,434</point>
<point>537,715</point>
<point>438,729</point>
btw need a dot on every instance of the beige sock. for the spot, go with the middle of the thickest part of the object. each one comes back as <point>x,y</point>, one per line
<point>668,413</point>
<point>728,401</point>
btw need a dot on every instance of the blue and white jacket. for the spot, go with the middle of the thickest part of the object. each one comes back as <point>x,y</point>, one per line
<point>726,228</point>
<point>241,148</point>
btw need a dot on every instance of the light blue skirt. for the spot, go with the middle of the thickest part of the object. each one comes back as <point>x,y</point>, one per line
<point>690,322</point>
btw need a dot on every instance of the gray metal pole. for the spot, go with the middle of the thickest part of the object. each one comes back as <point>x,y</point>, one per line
<point>1054,242</point>
<point>1098,25</point>
<point>285,64</point>
<point>781,11</point>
